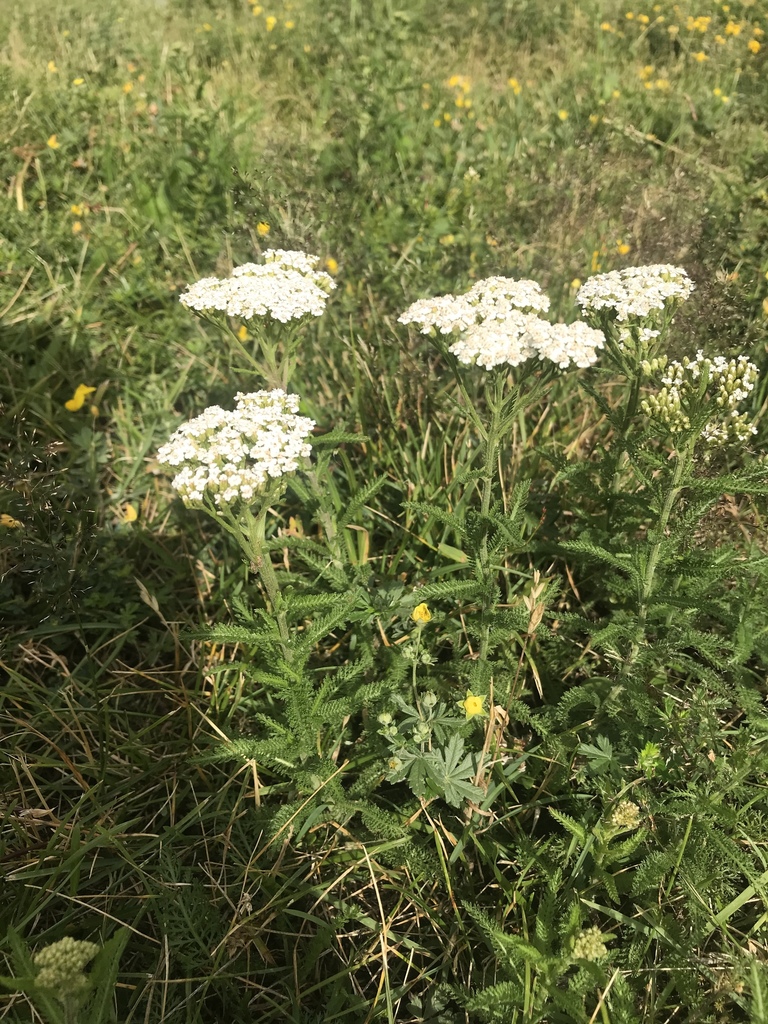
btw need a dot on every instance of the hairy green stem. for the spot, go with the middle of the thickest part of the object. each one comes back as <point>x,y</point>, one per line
<point>494,391</point>
<point>255,542</point>
<point>682,465</point>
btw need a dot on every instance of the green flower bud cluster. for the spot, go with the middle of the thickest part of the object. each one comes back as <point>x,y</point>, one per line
<point>692,388</point>
<point>590,945</point>
<point>651,367</point>
<point>421,732</point>
<point>60,967</point>
<point>626,815</point>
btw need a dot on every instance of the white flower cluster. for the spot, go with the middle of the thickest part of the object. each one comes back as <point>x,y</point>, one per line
<point>522,336</point>
<point>498,325</point>
<point>726,383</point>
<point>590,945</point>
<point>286,286</point>
<point>635,291</point>
<point>493,299</point>
<point>231,455</point>
<point>60,965</point>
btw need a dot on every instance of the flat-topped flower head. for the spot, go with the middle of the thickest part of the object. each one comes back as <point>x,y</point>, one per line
<point>491,299</point>
<point>286,287</point>
<point>231,456</point>
<point>635,291</point>
<point>523,336</point>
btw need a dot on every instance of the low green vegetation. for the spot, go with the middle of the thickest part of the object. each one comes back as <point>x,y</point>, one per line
<point>458,715</point>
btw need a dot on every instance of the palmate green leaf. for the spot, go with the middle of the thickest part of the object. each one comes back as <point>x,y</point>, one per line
<point>449,771</point>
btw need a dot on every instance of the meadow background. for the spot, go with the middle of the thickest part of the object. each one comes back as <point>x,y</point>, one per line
<point>416,148</point>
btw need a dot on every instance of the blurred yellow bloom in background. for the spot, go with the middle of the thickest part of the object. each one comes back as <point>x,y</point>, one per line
<point>77,401</point>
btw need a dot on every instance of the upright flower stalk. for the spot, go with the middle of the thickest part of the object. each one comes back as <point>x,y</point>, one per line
<point>495,326</point>
<point>232,465</point>
<point>272,301</point>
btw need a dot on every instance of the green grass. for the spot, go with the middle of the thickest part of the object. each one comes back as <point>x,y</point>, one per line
<point>142,157</point>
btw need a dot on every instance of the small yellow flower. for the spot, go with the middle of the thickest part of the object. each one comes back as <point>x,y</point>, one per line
<point>629,16</point>
<point>262,228</point>
<point>77,227</point>
<point>646,72</point>
<point>257,11</point>
<point>596,265</point>
<point>421,614</point>
<point>472,704</point>
<point>717,92</point>
<point>77,401</point>
<point>700,56</point>
<point>765,305</point>
<point>290,24</point>
<point>720,40</point>
<point>673,30</point>
<point>271,22</point>
<point>9,522</point>
<point>76,209</point>
<point>515,86</point>
<point>130,67</point>
<point>437,122</point>
<point>52,67</point>
<point>78,81</point>
<point>643,19</point>
<point>615,94</point>
<point>622,248</point>
<point>576,284</point>
<point>207,27</point>
<point>594,118</point>
<point>563,115</point>
<point>757,32</point>
<point>725,99</point>
<point>662,83</point>
<point>446,116</point>
<point>242,333</point>
<point>732,28</point>
<point>606,26</point>
<point>128,87</point>
<point>53,142</point>
<point>130,515</point>
<point>331,265</point>
<point>753,46</point>
<point>447,239</point>
<point>307,48</point>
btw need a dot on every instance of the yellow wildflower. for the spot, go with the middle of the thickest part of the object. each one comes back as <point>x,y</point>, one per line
<point>78,81</point>
<point>437,122</point>
<point>646,72</point>
<point>307,48</point>
<point>271,22</point>
<point>563,115</point>
<point>515,86</point>
<point>77,227</point>
<point>290,24</point>
<point>9,522</point>
<point>77,209</point>
<point>662,83</point>
<point>447,239</point>
<point>257,11</point>
<point>720,40</point>
<point>732,28</point>
<point>263,228</point>
<point>757,32</point>
<point>77,401</point>
<point>207,27</point>
<point>673,30</point>
<point>53,142</point>
<point>622,248</point>
<point>700,56</point>
<point>128,87</point>
<point>717,92</point>
<point>606,26</point>
<point>594,118</point>
<point>331,265</point>
<point>421,614</point>
<point>576,284</point>
<point>130,515</point>
<point>52,67</point>
<point>615,94</point>
<point>765,307</point>
<point>473,704</point>
<point>242,333</point>
<point>629,16</point>
<point>753,46</point>
<point>643,19</point>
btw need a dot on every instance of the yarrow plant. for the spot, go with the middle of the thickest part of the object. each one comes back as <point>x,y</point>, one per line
<point>273,299</point>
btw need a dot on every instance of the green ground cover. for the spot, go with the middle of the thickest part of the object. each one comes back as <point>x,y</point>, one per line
<point>611,864</point>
